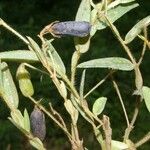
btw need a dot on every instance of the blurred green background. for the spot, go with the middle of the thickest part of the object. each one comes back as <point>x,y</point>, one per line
<point>29,17</point>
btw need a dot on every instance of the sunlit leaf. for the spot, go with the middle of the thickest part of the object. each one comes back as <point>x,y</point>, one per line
<point>9,91</point>
<point>26,121</point>
<point>111,62</point>
<point>113,14</point>
<point>63,89</point>
<point>83,14</point>
<point>146,96</point>
<point>82,84</point>
<point>56,58</point>
<point>99,105</point>
<point>19,56</point>
<point>137,29</point>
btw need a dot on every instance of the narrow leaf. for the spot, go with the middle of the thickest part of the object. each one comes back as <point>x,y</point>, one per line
<point>137,29</point>
<point>146,96</point>
<point>83,14</point>
<point>19,56</point>
<point>9,91</point>
<point>113,14</point>
<point>110,62</point>
<point>56,58</point>
<point>99,105</point>
<point>26,121</point>
<point>82,84</point>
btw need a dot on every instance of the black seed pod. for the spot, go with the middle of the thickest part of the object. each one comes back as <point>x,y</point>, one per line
<point>37,121</point>
<point>73,28</point>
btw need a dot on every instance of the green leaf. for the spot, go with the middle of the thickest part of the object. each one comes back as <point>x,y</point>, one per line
<point>110,62</point>
<point>19,56</point>
<point>35,142</point>
<point>9,91</point>
<point>99,105</point>
<point>33,46</point>
<point>116,145</point>
<point>19,127</point>
<point>146,96</point>
<point>113,14</point>
<point>56,58</point>
<point>26,121</point>
<point>17,117</point>
<point>137,29</point>
<point>82,84</point>
<point>83,14</point>
<point>117,2</point>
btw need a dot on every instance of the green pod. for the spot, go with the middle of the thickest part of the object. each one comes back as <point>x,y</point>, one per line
<point>37,122</point>
<point>25,83</point>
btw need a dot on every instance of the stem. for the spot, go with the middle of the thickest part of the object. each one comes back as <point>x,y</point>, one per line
<point>145,139</point>
<point>98,84</point>
<point>121,101</point>
<point>126,48</point>
<point>13,31</point>
<point>144,47</point>
<point>136,111</point>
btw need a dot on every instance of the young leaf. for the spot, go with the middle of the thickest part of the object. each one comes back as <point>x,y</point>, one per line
<point>9,91</point>
<point>137,29</point>
<point>110,62</point>
<point>19,56</point>
<point>99,105</point>
<point>26,121</point>
<point>83,14</point>
<point>146,96</point>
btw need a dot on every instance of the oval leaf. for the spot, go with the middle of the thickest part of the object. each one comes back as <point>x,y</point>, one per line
<point>137,29</point>
<point>146,96</point>
<point>111,62</point>
<point>99,105</point>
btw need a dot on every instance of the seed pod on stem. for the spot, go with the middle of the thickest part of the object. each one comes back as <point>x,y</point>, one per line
<point>37,121</point>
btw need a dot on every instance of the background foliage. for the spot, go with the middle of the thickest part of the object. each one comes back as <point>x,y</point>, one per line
<point>29,17</point>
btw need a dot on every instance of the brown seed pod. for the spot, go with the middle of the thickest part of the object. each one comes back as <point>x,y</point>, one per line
<point>37,121</point>
<point>73,28</point>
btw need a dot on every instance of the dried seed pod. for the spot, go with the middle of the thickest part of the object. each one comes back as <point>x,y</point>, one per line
<point>73,28</point>
<point>37,121</point>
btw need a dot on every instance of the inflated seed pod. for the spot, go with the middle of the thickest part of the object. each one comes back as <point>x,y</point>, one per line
<point>25,83</point>
<point>73,28</point>
<point>37,122</point>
